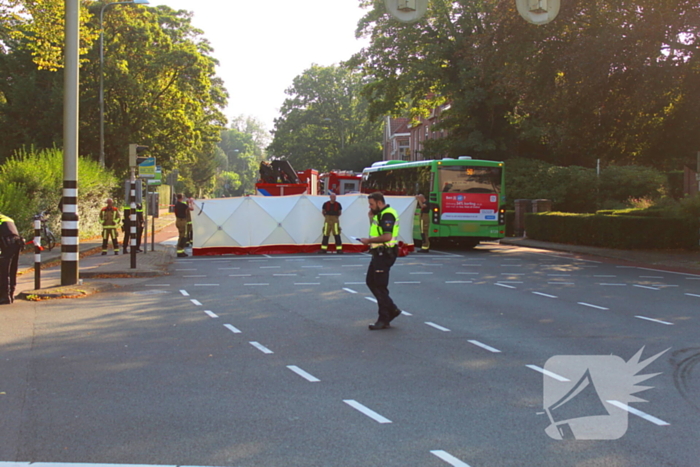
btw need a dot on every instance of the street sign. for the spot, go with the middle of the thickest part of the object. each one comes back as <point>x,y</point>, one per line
<point>406,11</point>
<point>157,180</point>
<point>147,168</point>
<point>538,12</point>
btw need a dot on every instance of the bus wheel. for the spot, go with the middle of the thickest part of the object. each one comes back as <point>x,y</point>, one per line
<point>469,243</point>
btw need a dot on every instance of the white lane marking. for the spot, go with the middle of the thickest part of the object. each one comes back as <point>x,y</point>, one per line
<point>548,373</point>
<point>369,412</point>
<point>307,283</point>
<point>206,285</point>
<point>261,347</point>
<point>459,282</point>
<point>371,299</point>
<point>233,329</point>
<point>645,287</point>
<point>504,285</point>
<point>604,275</point>
<point>693,295</point>
<point>484,346</point>
<point>157,285</point>
<point>307,376</point>
<point>639,413</point>
<point>239,275</point>
<point>468,273</point>
<point>349,290</point>
<point>353,283</point>
<point>270,267</point>
<point>406,313</point>
<point>195,275</point>
<point>670,272</point>
<point>407,282</point>
<point>655,320</point>
<point>561,283</point>
<point>652,277</point>
<point>510,282</point>
<point>449,458</point>
<point>417,273</point>
<point>437,326</point>
<point>605,284</point>
<point>257,283</point>
<point>184,293</point>
<point>211,313</point>
<point>196,302</point>
<point>593,306</point>
<point>545,295</point>
<point>285,275</point>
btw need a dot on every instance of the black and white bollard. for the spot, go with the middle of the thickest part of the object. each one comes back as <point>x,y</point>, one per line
<point>132,217</point>
<point>37,252</point>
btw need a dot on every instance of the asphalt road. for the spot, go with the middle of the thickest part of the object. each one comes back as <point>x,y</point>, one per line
<point>268,362</point>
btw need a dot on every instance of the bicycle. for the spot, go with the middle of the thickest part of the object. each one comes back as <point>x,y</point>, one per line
<point>48,239</point>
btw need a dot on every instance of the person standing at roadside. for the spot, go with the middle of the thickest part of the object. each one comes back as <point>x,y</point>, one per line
<point>331,210</point>
<point>424,224</point>
<point>384,247</point>
<point>109,218</point>
<point>182,209</point>
<point>10,246</point>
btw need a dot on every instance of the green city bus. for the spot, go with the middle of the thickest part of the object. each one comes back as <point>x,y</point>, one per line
<point>466,196</point>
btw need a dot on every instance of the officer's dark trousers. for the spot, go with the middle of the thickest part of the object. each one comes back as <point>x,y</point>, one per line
<point>8,267</point>
<point>378,281</point>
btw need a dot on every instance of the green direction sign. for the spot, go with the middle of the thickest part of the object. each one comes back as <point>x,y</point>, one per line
<point>147,168</point>
<point>157,180</point>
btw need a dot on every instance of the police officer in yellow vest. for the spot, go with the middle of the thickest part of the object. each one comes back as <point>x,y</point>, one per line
<point>10,246</point>
<point>384,247</point>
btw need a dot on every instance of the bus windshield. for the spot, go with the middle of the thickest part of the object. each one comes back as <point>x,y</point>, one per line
<point>459,179</point>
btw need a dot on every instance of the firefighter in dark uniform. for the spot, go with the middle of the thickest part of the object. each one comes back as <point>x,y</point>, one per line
<point>332,211</point>
<point>190,201</point>
<point>109,218</point>
<point>181,213</point>
<point>424,224</point>
<point>11,244</point>
<point>126,227</point>
<point>384,247</point>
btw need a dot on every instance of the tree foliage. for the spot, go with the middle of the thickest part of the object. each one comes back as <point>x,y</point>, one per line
<point>244,147</point>
<point>160,85</point>
<point>612,79</point>
<point>325,124</point>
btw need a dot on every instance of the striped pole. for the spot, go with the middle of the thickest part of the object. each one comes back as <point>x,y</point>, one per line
<point>37,252</point>
<point>132,217</point>
<point>69,219</point>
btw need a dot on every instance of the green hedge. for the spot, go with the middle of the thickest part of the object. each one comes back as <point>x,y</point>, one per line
<point>625,232</point>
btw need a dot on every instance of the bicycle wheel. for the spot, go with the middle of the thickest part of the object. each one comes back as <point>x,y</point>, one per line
<point>48,241</point>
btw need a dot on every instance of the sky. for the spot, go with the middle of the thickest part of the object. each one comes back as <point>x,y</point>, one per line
<point>262,45</point>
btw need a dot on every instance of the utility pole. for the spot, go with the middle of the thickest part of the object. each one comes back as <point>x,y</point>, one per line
<point>69,219</point>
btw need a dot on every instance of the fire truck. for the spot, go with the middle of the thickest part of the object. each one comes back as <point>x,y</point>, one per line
<point>340,182</point>
<point>278,178</point>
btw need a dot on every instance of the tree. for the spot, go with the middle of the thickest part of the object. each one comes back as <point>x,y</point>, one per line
<point>325,124</point>
<point>607,79</point>
<point>244,146</point>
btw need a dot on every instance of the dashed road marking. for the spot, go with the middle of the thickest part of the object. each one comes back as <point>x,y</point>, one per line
<point>253,284</point>
<point>369,412</point>
<point>449,458</point>
<point>654,320</point>
<point>484,346</point>
<point>693,295</point>
<point>605,284</point>
<point>232,328</point>
<point>371,299</point>
<point>639,413</point>
<point>593,306</point>
<point>504,285</point>
<point>307,376</point>
<point>548,373</point>
<point>545,295</point>
<point>211,313</point>
<point>645,287</point>
<point>349,290</point>
<point>261,347</point>
<point>459,282</point>
<point>196,302</point>
<point>184,293</point>
<point>437,326</point>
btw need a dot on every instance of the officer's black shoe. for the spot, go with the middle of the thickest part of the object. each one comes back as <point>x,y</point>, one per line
<point>116,253</point>
<point>322,252</point>
<point>104,253</point>
<point>5,301</point>
<point>139,251</point>
<point>395,313</point>
<point>378,326</point>
<point>182,255</point>
<point>125,251</point>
